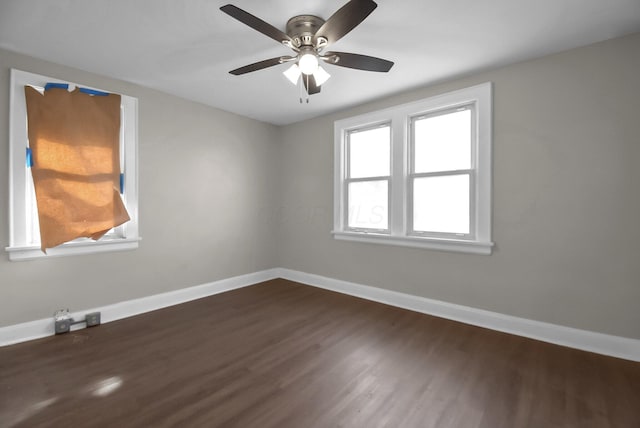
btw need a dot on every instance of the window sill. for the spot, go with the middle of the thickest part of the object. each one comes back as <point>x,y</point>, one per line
<point>458,246</point>
<point>72,248</point>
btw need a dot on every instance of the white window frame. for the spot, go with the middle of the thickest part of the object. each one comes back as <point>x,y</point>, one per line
<point>478,241</point>
<point>348,180</point>
<point>21,198</point>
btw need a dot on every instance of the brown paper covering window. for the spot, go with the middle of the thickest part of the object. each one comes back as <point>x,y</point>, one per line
<point>74,139</point>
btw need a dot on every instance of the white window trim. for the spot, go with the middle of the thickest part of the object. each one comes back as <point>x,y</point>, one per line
<point>347,180</point>
<point>20,248</point>
<point>400,117</point>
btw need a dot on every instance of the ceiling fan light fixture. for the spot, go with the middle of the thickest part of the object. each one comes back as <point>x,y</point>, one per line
<point>321,76</point>
<point>293,73</point>
<point>308,36</point>
<point>308,63</point>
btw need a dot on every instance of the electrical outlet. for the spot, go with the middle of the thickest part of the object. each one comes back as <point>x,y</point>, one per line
<point>93,319</point>
<point>62,326</point>
<point>62,319</point>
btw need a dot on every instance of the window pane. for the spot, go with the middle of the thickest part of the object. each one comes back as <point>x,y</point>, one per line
<point>443,143</point>
<point>369,152</point>
<point>441,204</point>
<point>369,204</point>
<point>33,226</point>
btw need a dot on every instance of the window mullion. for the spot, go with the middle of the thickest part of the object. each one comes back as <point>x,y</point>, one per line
<point>399,169</point>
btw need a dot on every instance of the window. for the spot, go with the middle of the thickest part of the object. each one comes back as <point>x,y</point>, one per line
<point>24,229</point>
<point>368,178</point>
<point>418,174</point>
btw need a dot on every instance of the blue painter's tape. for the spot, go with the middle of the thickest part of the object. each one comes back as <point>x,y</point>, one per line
<point>121,183</point>
<point>56,86</point>
<point>29,158</point>
<point>93,92</point>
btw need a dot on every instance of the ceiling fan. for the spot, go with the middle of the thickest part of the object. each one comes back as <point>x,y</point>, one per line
<point>308,36</point>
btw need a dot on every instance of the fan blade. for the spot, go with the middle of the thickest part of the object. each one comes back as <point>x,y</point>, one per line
<point>256,66</point>
<point>255,23</point>
<point>345,20</point>
<point>357,61</point>
<point>310,84</point>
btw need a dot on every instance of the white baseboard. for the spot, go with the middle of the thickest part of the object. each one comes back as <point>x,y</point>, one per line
<point>615,346</point>
<point>44,327</point>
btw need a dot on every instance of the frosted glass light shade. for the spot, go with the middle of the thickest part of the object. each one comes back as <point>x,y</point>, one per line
<point>321,76</point>
<point>292,73</point>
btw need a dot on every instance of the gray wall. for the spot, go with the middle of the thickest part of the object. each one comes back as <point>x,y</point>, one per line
<point>221,195</point>
<point>566,202</point>
<point>207,178</point>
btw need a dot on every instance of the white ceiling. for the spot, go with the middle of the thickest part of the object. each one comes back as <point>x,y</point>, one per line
<point>187,47</point>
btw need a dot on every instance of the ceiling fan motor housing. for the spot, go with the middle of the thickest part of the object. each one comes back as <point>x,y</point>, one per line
<point>302,29</point>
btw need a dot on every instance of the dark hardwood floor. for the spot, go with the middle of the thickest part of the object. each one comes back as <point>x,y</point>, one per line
<point>280,354</point>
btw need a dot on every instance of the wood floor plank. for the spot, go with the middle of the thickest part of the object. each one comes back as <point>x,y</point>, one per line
<point>281,354</point>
